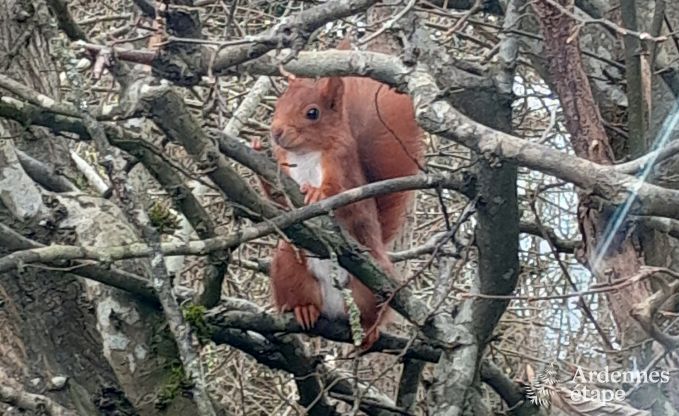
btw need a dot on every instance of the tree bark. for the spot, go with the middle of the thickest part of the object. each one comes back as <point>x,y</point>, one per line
<point>113,350</point>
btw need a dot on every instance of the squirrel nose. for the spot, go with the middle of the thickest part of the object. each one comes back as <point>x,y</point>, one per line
<point>276,133</point>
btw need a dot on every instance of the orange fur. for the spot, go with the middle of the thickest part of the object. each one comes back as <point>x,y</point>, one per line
<point>353,146</point>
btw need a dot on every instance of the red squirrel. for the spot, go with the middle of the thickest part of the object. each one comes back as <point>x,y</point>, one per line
<point>331,135</point>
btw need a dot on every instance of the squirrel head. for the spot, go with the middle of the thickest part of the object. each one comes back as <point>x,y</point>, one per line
<point>309,114</point>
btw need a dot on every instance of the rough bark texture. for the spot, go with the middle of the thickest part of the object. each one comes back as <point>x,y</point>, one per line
<point>627,252</point>
<point>43,310</point>
<point>590,141</point>
<point>108,345</point>
<point>134,337</point>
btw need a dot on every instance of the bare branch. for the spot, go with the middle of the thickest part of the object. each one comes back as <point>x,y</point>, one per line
<point>248,106</point>
<point>114,253</point>
<point>113,277</point>
<point>44,174</point>
<point>34,402</point>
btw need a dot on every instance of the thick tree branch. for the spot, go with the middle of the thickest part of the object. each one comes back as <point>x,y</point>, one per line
<point>44,174</point>
<point>35,98</point>
<point>110,276</point>
<point>638,82</point>
<point>663,225</point>
<point>33,402</point>
<point>655,156</point>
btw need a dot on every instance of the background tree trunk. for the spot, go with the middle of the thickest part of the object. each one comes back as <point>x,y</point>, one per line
<point>113,350</point>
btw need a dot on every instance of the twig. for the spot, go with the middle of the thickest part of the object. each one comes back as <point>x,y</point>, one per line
<point>398,16</point>
<point>644,273</point>
<point>90,173</point>
<point>248,106</point>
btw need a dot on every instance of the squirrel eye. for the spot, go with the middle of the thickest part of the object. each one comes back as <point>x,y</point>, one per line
<point>313,113</point>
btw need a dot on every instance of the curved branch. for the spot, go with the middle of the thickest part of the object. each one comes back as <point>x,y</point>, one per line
<point>53,253</point>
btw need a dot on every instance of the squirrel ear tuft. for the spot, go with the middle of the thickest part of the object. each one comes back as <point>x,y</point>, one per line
<point>332,91</point>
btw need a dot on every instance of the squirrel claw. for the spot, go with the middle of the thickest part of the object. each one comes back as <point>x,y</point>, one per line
<point>370,339</point>
<point>256,144</point>
<point>306,316</point>
<point>311,193</point>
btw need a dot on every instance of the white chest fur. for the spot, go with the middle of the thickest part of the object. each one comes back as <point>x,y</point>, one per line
<point>306,168</point>
<point>333,304</point>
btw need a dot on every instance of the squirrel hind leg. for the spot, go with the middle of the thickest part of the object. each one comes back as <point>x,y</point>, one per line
<point>294,287</point>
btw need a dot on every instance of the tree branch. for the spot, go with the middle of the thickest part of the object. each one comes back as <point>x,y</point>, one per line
<point>44,174</point>
<point>635,60</point>
<point>53,253</point>
<point>33,402</point>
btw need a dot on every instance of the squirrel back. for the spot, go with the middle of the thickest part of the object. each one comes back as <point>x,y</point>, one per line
<point>390,143</point>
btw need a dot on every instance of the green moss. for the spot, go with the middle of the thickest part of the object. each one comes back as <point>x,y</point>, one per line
<point>176,384</point>
<point>164,220</point>
<point>195,316</point>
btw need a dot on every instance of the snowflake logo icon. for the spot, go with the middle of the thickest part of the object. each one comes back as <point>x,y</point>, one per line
<point>541,389</point>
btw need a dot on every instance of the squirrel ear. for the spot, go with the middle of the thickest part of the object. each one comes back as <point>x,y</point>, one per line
<point>288,75</point>
<point>332,91</point>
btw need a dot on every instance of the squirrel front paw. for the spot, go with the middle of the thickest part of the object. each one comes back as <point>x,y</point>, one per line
<point>370,338</point>
<point>306,315</point>
<point>311,193</point>
<point>256,144</point>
